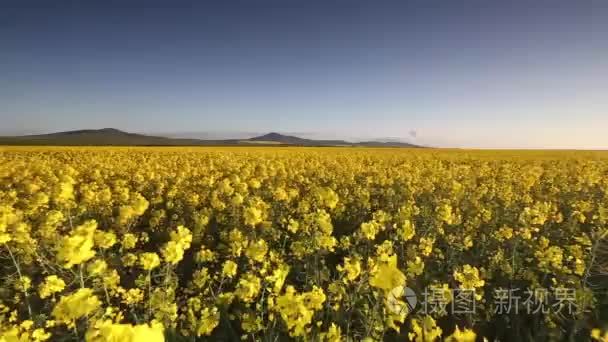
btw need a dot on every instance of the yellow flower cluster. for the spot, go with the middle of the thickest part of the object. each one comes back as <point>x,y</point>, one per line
<point>51,285</point>
<point>312,244</point>
<point>78,246</point>
<point>597,335</point>
<point>106,331</point>
<point>297,310</point>
<point>76,305</point>
<point>469,278</point>
<point>174,249</point>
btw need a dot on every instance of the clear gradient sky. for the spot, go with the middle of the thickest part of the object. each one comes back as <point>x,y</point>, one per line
<point>509,74</point>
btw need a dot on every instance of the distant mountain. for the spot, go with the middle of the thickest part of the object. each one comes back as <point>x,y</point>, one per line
<point>115,137</point>
<point>87,137</point>
<point>291,140</point>
<point>276,137</point>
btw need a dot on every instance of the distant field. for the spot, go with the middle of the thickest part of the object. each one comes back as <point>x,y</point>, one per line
<point>303,242</point>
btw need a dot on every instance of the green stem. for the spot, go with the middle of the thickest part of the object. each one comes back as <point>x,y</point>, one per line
<point>81,276</point>
<point>149,294</point>
<point>29,308</point>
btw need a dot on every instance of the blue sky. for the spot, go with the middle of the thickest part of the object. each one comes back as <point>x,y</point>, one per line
<point>525,74</point>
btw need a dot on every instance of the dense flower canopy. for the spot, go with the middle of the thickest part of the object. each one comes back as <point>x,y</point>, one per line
<point>134,244</point>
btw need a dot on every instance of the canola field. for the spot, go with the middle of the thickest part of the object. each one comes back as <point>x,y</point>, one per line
<point>304,244</point>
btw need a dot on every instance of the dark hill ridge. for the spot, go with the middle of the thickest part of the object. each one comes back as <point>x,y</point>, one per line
<point>115,137</point>
<point>287,139</point>
<point>291,140</point>
<point>272,136</point>
<point>276,137</point>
